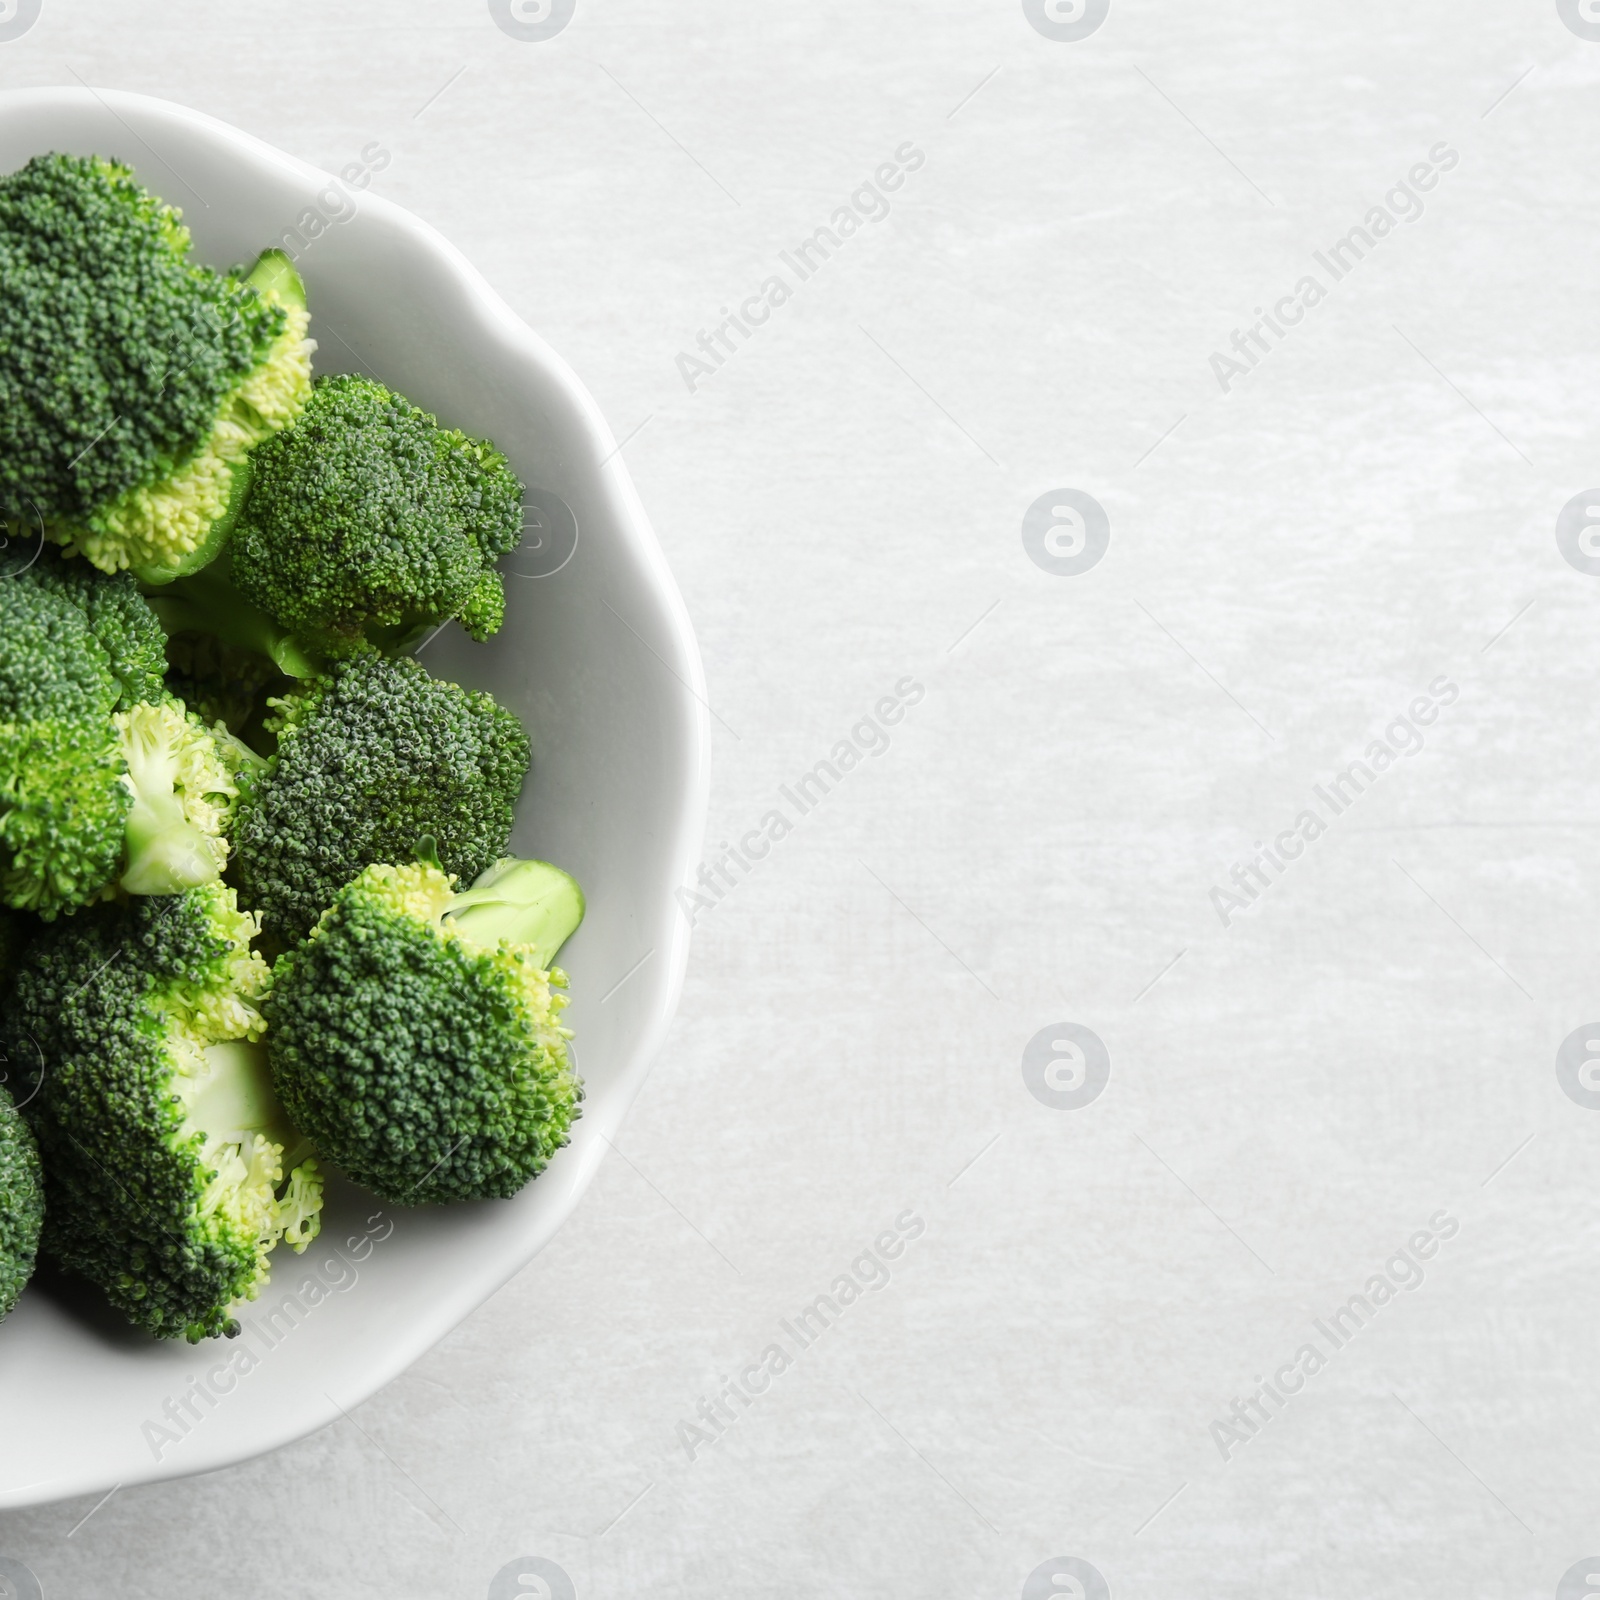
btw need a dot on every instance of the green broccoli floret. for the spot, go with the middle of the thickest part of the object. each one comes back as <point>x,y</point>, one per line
<point>132,378</point>
<point>368,522</point>
<point>171,1171</point>
<point>415,1035</point>
<point>21,1201</point>
<point>370,758</point>
<point>63,802</point>
<point>119,617</point>
<point>51,665</point>
<point>91,798</point>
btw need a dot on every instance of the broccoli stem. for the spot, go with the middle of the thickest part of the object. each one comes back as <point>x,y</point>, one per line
<point>274,275</point>
<point>237,1105</point>
<point>166,853</point>
<point>237,1099</point>
<point>207,602</point>
<point>525,902</point>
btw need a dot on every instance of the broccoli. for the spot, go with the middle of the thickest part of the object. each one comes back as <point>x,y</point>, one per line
<point>62,799</point>
<point>372,757</point>
<point>89,797</point>
<point>368,522</point>
<point>51,665</point>
<point>132,378</point>
<point>185,780</point>
<point>170,1171</point>
<point>21,1202</point>
<point>119,617</point>
<point>415,1035</point>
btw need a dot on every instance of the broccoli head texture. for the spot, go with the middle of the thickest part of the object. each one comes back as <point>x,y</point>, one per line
<point>416,1039</point>
<point>63,803</point>
<point>21,1203</point>
<point>368,522</point>
<point>51,665</point>
<point>171,1172</point>
<point>126,367</point>
<point>63,808</point>
<point>371,758</point>
<point>119,617</point>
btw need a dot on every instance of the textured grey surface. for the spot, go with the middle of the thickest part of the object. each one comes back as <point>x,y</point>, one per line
<point>1292,564</point>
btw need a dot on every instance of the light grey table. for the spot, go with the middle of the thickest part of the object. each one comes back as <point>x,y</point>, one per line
<point>1112,1118</point>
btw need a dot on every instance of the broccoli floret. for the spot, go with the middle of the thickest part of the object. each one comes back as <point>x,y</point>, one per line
<point>132,378</point>
<point>63,806</point>
<point>371,758</point>
<point>51,664</point>
<point>171,1171</point>
<point>119,617</point>
<point>415,1035</point>
<point>185,779</point>
<point>21,1202</point>
<point>368,522</point>
<point>62,799</point>
<point>89,796</point>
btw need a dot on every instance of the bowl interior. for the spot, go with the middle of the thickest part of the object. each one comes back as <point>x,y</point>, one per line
<point>596,658</point>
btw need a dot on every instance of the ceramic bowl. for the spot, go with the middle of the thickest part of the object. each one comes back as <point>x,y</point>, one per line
<point>597,658</point>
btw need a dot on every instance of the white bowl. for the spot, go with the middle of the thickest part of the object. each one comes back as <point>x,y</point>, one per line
<point>599,662</point>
